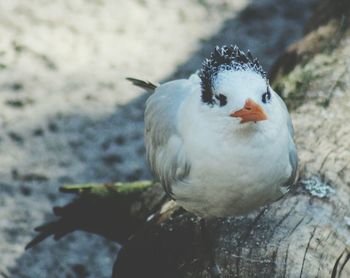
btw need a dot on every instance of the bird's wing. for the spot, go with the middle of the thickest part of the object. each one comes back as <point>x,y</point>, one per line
<point>164,145</point>
<point>293,157</point>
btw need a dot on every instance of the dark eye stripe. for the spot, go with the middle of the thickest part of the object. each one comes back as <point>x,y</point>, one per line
<point>222,99</point>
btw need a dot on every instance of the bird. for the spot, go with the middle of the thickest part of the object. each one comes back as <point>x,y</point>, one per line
<point>221,142</point>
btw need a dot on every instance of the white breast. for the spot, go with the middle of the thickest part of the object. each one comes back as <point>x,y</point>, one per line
<point>232,173</point>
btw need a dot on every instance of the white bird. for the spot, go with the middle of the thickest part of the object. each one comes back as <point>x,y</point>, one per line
<point>221,141</point>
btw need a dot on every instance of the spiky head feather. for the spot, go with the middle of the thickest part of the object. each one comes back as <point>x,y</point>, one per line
<point>225,58</point>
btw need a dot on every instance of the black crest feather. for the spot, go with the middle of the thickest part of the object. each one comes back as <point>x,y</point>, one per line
<point>225,58</point>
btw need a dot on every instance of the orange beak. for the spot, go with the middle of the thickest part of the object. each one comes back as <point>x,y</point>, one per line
<point>251,112</point>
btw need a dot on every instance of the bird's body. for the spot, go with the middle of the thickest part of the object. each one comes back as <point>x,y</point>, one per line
<point>214,162</point>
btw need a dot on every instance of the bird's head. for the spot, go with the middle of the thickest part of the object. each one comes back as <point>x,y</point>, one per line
<point>233,84</point>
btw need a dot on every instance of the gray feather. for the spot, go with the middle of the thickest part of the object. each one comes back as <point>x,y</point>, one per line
<point>164,148</point>
<point>293,157</point>
<point>147,85</point>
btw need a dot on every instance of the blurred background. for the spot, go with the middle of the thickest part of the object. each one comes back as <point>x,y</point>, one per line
<point>67,115</point>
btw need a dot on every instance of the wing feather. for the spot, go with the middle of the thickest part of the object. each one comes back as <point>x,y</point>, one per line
<point>293,156</point>
<point>164,145</point>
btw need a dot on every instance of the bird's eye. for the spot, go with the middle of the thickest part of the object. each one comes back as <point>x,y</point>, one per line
<point>222,99</point>
<point>266,97</point>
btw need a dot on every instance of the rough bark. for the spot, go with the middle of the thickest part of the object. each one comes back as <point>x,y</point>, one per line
<point>306,234</point>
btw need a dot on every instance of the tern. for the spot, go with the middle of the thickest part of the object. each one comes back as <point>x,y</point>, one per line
<point>220,142</point>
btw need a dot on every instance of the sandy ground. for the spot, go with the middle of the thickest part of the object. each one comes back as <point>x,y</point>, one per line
<point>68,116</point>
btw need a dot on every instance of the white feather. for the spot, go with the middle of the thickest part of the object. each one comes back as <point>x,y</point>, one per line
<point>232,168</point>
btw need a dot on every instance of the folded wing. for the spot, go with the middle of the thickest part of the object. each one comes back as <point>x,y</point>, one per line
<point>164,145</point>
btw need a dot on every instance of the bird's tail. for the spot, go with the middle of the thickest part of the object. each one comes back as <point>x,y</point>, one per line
<point>144,84</point>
